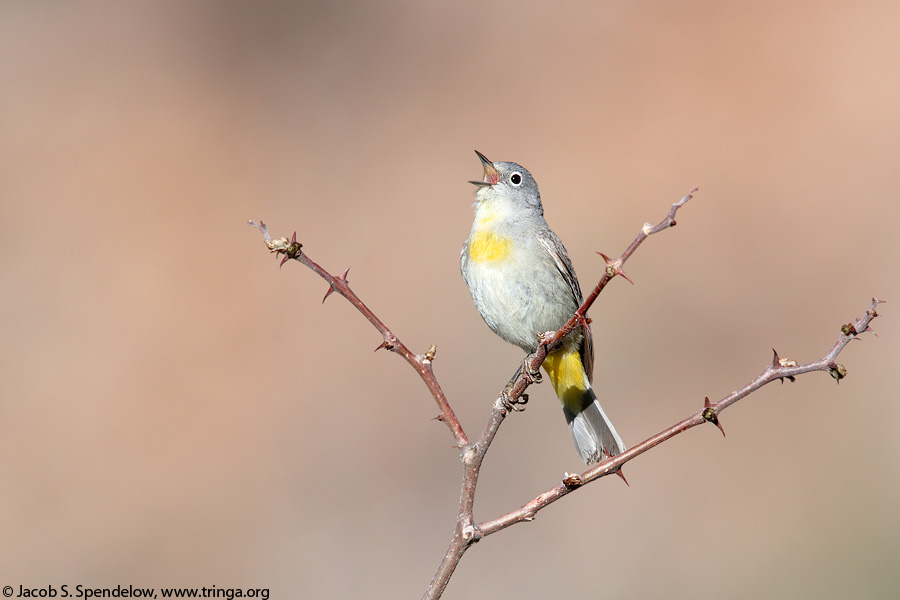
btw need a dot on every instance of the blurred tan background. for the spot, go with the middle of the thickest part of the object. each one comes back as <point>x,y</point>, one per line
<point>177,411</point>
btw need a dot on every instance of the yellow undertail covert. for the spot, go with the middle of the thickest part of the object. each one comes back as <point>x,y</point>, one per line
<point>566,373</point>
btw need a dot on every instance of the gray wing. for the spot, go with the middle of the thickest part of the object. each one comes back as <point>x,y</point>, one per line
<point>463,259</point>
<point>557,251</point>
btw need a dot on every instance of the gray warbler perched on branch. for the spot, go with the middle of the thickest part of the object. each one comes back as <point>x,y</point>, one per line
<point>523,285</point>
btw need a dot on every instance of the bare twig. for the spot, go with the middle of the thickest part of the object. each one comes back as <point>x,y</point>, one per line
<point>780,368</point>
<point>613,268</point>
<point>422,363</point>
<point>467,532</point>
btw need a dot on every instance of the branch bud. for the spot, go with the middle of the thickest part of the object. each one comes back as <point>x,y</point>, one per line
<point>710,414</point>
<point>838,372</point>
<point>432,351</point>
<point>572,481</point>
<point>848,329</point>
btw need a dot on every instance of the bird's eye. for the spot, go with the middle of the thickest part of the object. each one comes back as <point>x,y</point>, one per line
<point>515,179</point>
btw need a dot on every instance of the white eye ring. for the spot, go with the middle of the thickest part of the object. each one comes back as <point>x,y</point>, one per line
<point>515,179</point>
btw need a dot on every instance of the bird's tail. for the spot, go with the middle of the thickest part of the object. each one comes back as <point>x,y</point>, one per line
<point>592,430</point>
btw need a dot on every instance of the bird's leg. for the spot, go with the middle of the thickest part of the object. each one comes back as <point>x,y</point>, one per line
<point>519,403</point>
<point>531,375</point>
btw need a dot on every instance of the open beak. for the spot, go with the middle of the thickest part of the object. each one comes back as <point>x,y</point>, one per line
<point>491,176</point>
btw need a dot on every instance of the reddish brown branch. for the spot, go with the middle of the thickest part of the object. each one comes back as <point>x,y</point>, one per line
<point>779,369</point>
<point>421,363</point>
<point>466,532</point>
<point>613,268</point>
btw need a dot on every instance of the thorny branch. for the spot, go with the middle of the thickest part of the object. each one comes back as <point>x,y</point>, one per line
<point>779,368</point>
<point>613,268</point>
<point>472,454</point>
<point>422,363</point>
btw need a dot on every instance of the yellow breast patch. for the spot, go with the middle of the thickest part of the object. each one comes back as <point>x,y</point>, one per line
<point>487,246</point>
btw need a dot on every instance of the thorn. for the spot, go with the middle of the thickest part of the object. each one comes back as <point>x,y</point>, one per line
<point>440,417</point>
<point>386,345</point>
<point>617,471</point>
<point>710,414</point>
<point>614,267</point>
<point>719,425</point>
<point>282,246</point>
<point>331,288</point>
<point>778,363</point>
<point>607,456</point>
<point>872,330</point>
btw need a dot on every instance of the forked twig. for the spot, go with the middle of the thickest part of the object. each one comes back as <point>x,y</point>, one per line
<point>467,532</point>
<point>422,363</point>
